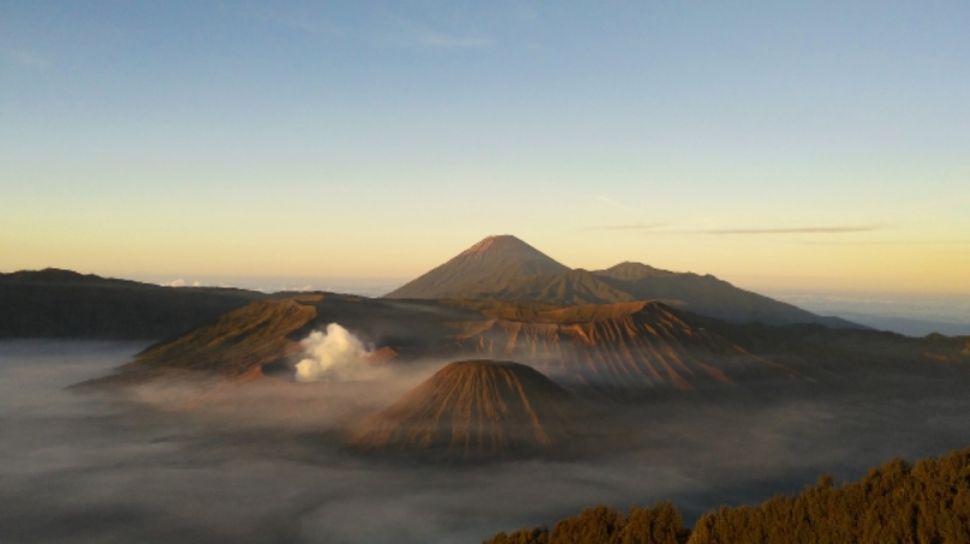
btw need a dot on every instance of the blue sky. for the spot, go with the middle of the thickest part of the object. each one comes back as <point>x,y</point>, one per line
<point>821,143</point>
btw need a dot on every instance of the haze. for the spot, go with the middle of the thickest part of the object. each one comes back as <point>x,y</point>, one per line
<point>820,146</point>
<point>254,464</point>
<point>424,272</point>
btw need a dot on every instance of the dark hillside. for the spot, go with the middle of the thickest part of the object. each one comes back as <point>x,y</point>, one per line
<point>55,303</point>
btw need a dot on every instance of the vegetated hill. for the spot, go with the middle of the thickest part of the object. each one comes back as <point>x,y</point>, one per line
<point>471,410</point>
<point>897,502</point>
<point>55,303</point>
<point>506,268</point>
<point>632,345</point>
<point>489,266</point>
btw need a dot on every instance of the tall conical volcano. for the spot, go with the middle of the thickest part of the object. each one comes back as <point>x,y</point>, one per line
<point>473,409</point>
<point>489,266</point>
<point>506,268</point>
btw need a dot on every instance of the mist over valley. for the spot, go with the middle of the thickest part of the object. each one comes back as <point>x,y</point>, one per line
<point>322,417</point>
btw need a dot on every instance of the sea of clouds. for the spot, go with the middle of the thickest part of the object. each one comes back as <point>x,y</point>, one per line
<point>264,462</point>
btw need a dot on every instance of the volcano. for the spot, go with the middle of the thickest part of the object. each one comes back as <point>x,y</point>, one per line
<point>492,265</point>
<point>471,410</point>
<point>624,346</point>
<point>506,268</point>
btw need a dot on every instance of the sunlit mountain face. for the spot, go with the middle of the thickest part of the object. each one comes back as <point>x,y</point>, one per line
<point>505,272</point>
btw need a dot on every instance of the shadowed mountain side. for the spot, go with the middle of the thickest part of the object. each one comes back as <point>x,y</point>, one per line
<point>54,303</point>
<point>506,268</point>
<point>569,288</point>
<point>414,329</point>
<point>471,410</point>
<point>239,344</point>
<point>265,335</point>
<point>632,345</point>
<point>846,355</point>
<point>707,295</point>
<point>489,266</point>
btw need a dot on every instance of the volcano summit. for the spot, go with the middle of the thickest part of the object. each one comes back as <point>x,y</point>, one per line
<point>473,409</point>
<point>506,268</point>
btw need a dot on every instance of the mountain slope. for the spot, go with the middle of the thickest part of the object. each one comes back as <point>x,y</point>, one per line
<point>506,268</point>
<point>238,344</point>
<point>61,303</point>
<point>705,295</point>
<point>263,336</point>
<point>487,267</point>
<point>471,409</point>
<point>633,345</point>
<point>569,288</point>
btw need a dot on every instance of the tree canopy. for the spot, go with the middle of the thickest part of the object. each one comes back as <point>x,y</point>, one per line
<point>923,503</point>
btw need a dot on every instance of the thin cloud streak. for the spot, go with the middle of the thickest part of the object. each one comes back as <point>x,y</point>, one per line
<point>956,243</point>
<point>613,203</point>
<point>656,228</point>
<point>406,31</point>
<point>823,229</point>
<point>633,226</point>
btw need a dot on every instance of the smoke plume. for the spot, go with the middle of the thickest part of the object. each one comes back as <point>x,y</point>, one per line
<point>333,355</point>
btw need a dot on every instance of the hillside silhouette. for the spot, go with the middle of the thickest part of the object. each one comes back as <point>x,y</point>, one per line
<point>55,303</point>
<point>925,502</point>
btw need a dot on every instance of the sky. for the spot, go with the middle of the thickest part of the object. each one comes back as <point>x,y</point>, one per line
<point>779,145</point>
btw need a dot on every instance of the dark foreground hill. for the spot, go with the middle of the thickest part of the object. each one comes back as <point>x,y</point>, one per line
<point>506,268</point>
<point>471,410</point>
<point>928,502</point>
<point>54,303</point>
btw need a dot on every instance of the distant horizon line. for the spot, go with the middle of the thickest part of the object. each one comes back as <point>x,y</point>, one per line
<point>371,284</point>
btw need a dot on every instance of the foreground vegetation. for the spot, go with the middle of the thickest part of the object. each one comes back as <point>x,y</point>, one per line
<point>925,503</point>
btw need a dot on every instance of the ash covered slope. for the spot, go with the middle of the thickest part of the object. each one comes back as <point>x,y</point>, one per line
<point>246,341</point>
<point>506,268</point>
<point>471,409</point>
<point>633,345</point>
<point>238,344</point>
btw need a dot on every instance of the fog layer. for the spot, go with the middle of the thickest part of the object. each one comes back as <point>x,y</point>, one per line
<point>263,462</point>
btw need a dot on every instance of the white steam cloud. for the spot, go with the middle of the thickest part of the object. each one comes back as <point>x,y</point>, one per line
<point>331,356</point>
